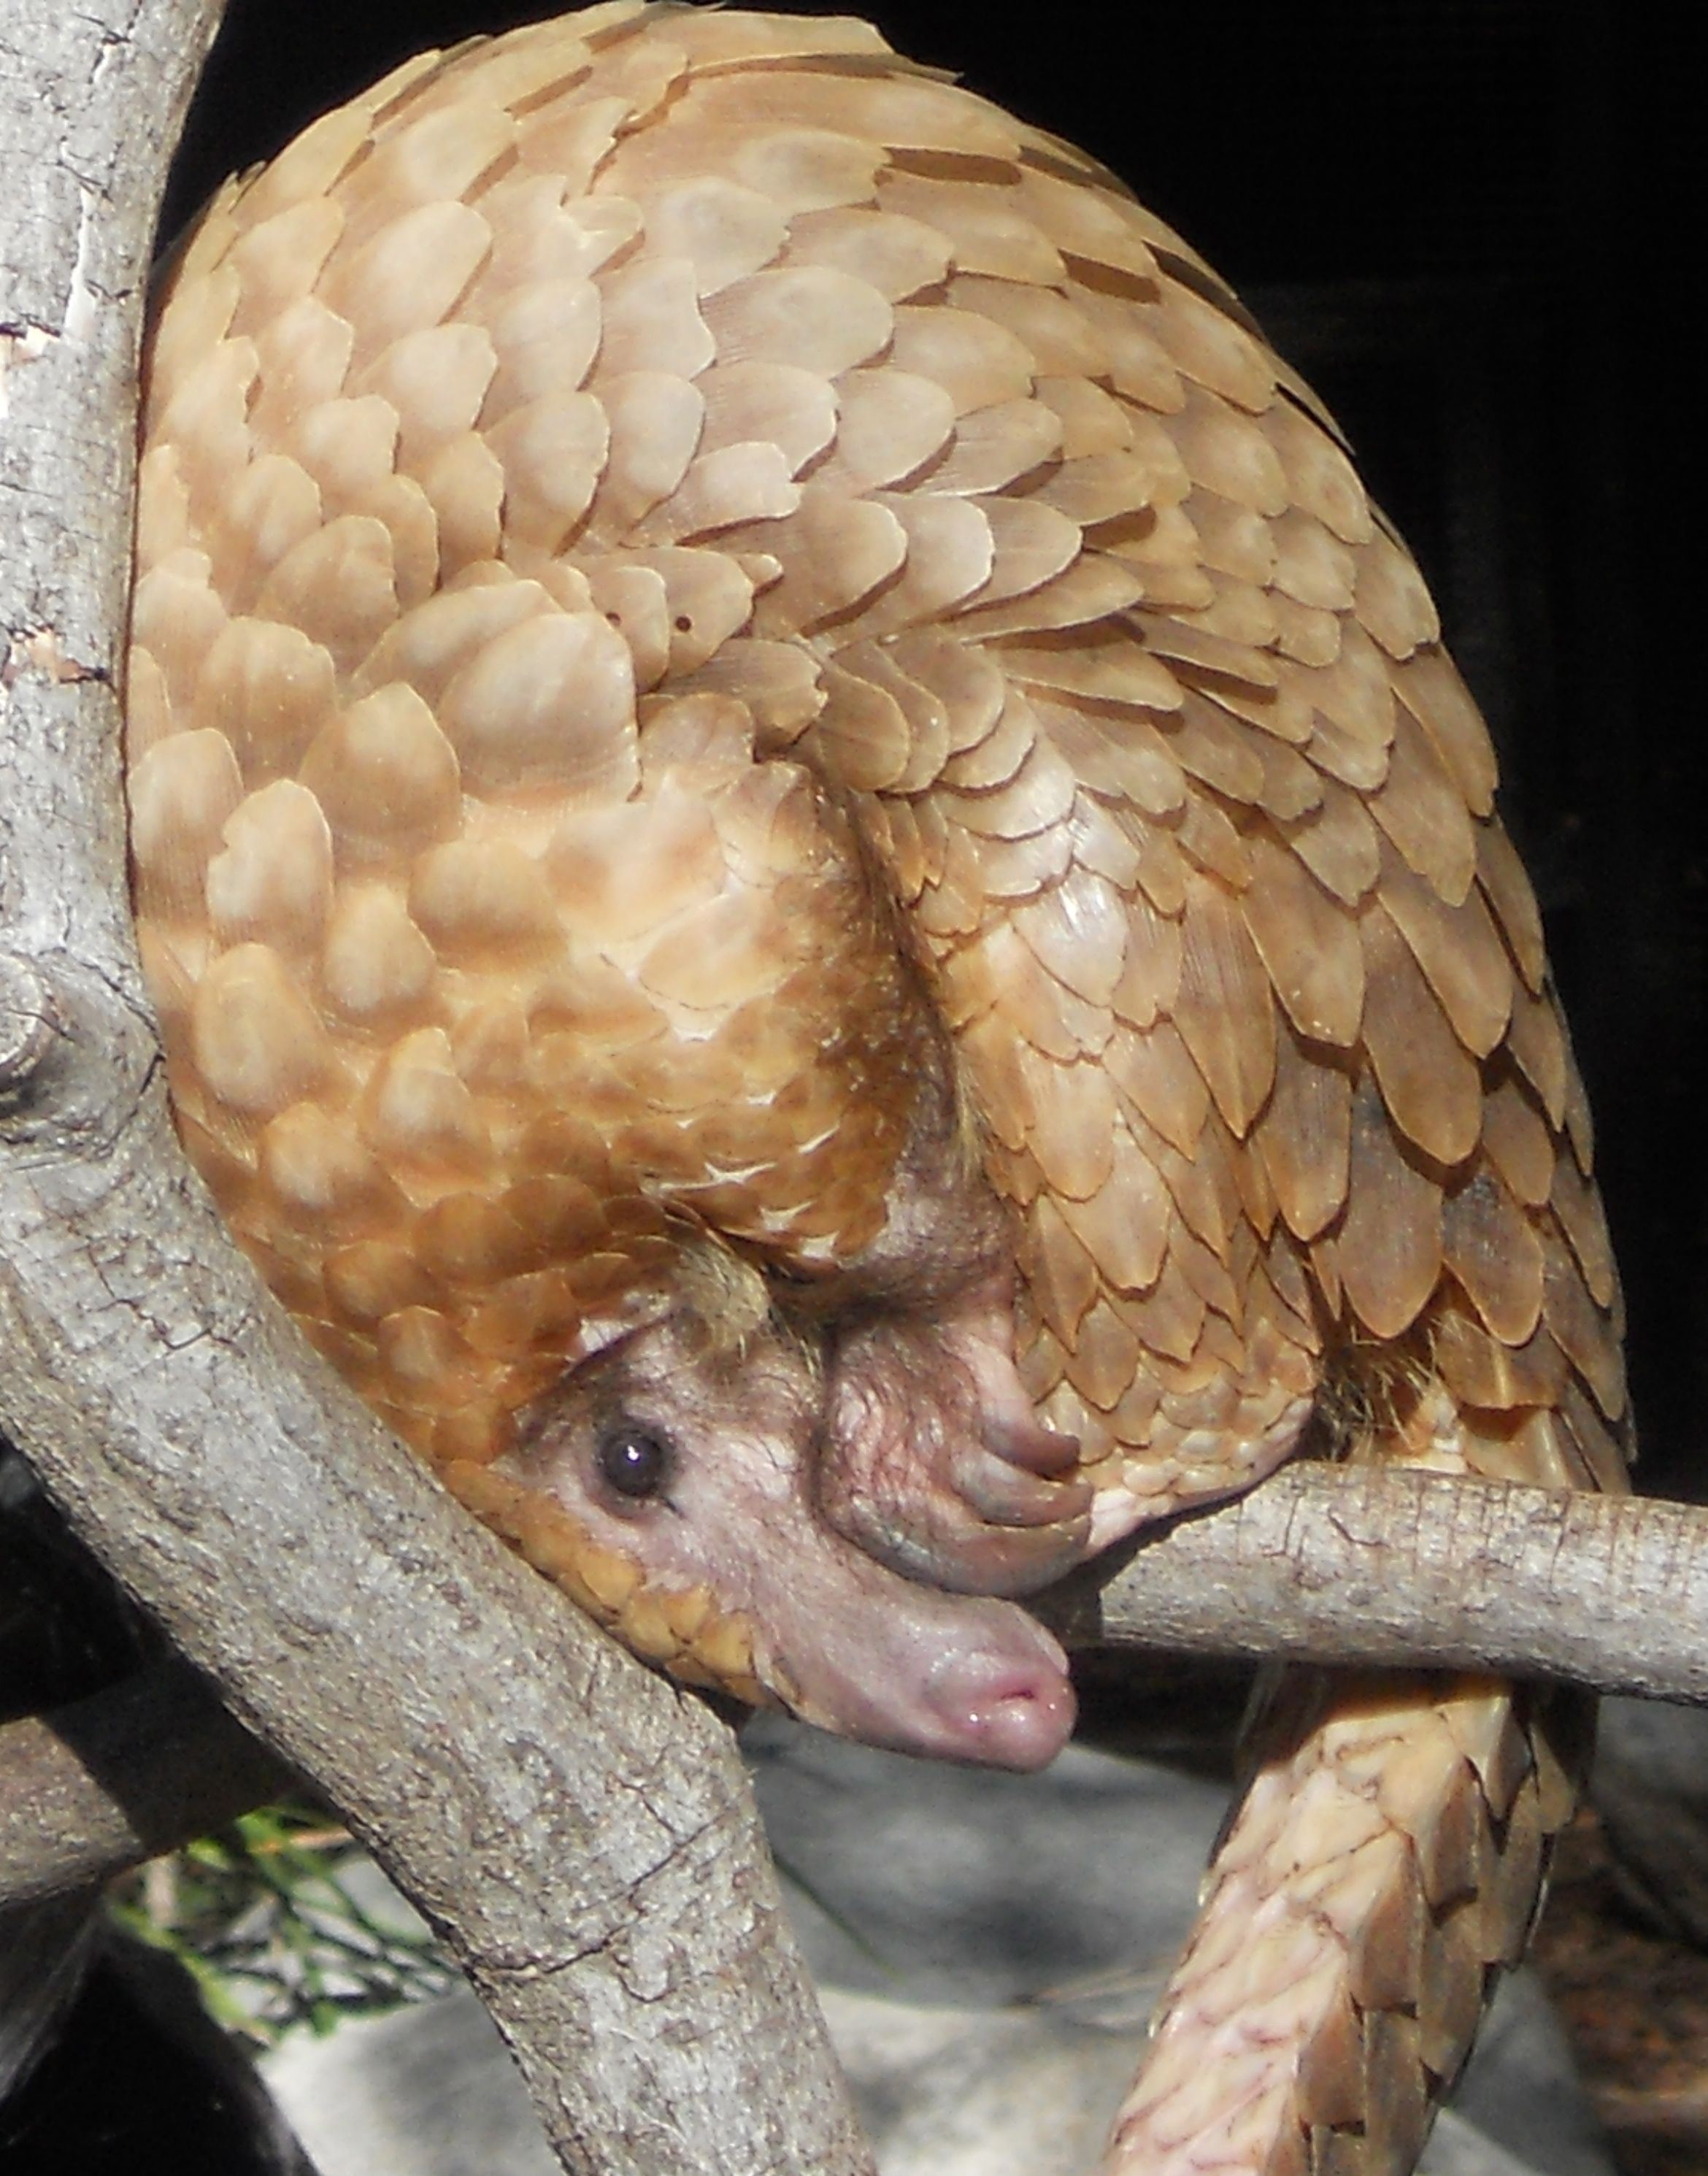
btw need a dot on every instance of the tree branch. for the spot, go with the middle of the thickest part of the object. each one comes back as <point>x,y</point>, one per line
<point>1354,1566</point>
<point>104,1783</point>
<point>1360,1565</point>
<point>579,1832</point>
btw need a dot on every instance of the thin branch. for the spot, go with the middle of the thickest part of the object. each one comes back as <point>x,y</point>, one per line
<point>1326,1563</point>
<point>103,1783</point>
<point>580,1833</point>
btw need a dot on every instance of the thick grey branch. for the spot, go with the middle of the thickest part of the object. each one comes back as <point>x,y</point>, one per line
<point>1329,1563</point>
<point>580,1833</point>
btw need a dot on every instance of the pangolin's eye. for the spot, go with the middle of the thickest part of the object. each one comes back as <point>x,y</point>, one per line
<point>635,1458</point>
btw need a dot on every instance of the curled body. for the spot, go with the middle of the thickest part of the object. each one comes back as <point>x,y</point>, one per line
<point>821,900</point>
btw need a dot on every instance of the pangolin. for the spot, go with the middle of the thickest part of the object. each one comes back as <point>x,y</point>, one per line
<point>821,902</point>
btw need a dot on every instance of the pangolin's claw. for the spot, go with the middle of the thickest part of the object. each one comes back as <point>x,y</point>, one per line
<point>944,1542</point>
<point>1025,1443</point>
<point>1008,1494</point>
<point>1011,1560</point>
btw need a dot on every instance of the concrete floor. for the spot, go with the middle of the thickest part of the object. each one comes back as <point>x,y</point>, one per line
<point>989,1947</point>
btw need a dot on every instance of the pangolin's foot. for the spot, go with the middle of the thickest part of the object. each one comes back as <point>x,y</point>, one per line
<point>936,1461</point>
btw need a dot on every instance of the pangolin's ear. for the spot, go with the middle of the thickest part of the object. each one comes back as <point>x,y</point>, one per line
<point>723,1291</point>
<point>598,1335</point>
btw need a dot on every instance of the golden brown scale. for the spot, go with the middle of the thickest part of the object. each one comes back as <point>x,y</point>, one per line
<point>755,706</point>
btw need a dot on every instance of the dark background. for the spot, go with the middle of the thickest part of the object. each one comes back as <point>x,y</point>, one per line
<point>1462,218</point>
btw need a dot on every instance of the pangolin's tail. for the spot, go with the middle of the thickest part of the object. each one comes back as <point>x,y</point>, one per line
<point>1385,1863</point>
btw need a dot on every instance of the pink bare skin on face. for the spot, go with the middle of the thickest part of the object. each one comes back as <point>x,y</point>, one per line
<point>701,1455</point>
<point>849,1460</point>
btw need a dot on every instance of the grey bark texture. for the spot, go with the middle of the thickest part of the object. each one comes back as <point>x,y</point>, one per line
<point>107,1782</point>
<point>1356,1564</point>
<point>581,1832</point>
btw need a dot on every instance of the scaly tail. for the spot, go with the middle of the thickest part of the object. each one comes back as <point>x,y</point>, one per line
<point>1387,1861</point>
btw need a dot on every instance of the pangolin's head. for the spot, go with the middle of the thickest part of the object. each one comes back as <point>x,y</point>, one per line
<point>673,1481</point>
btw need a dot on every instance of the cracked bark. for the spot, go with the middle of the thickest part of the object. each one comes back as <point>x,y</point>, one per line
<point>1338,1564</point>
<point>578,1831</point>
